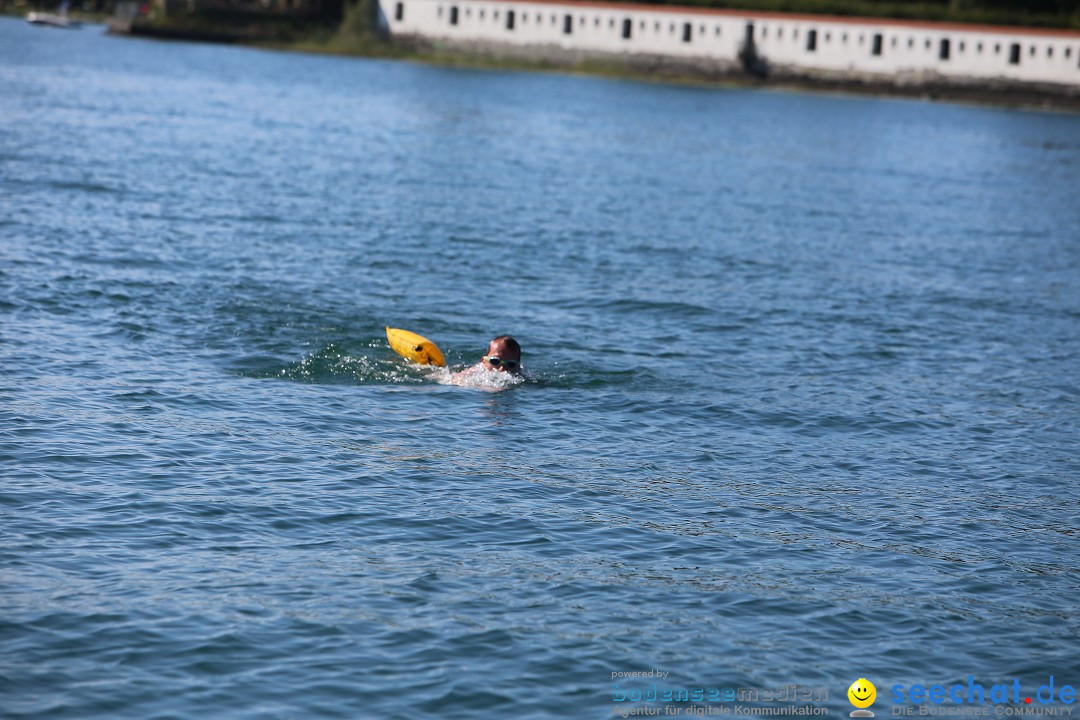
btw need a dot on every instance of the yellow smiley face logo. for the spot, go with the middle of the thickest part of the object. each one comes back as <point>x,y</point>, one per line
<point>862,693</point>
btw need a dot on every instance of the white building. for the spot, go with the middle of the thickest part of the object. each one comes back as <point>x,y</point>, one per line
<point>824,46</point>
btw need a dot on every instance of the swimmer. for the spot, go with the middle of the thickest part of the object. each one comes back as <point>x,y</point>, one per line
<point>503,355</point>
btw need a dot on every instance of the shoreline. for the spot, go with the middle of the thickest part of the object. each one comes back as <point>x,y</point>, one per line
<point>1003,94</point>
<point>647,68</point>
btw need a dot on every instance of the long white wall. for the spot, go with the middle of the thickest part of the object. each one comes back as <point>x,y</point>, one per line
<point>794,42</point>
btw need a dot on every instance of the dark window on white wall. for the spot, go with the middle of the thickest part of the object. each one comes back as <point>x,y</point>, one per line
<point>811,41</point>
<point>567,24</point>
<point>627,28</point>
<point>453,15</point>
<point>399,11</point>
<point>1014,54</point>
<point>875,49</point>
<point>687,32</point>
<point>943,51</point>
<point>509,19</point>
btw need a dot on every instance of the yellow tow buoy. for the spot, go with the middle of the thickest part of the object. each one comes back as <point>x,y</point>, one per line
<point>414,347</point>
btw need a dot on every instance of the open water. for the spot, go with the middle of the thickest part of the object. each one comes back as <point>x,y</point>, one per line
<point>803,407</point>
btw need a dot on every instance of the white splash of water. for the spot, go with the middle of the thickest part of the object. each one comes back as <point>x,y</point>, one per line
<point>477,377</point>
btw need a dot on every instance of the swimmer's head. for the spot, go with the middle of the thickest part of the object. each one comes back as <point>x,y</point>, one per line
<point>503,355</point>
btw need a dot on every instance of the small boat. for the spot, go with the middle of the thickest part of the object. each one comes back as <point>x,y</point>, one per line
<point>58,20</point>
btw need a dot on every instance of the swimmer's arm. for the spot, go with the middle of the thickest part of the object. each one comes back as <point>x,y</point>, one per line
<point>465,374</point>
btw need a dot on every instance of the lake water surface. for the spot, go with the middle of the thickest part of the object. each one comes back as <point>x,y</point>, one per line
<point>804,402</point>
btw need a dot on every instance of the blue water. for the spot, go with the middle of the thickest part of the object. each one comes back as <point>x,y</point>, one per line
<point>803,406</point>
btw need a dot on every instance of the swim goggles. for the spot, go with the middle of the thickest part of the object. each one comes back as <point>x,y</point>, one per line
<point>495,362</point>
